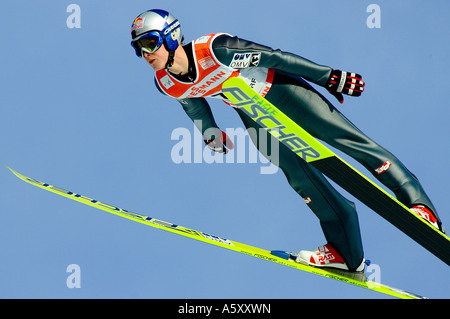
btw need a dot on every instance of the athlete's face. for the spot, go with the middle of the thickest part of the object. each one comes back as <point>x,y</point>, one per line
<point>157,59</point>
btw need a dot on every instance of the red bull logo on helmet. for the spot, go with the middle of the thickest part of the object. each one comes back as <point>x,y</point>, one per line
<point>137,24</point>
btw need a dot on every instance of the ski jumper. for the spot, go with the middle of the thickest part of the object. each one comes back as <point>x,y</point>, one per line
<point>280,77</point>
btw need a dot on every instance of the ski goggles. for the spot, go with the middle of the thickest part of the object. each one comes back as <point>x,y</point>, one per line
<point>148,42</point>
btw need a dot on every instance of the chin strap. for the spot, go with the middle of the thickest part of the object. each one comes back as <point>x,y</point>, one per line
<point>170,60</point>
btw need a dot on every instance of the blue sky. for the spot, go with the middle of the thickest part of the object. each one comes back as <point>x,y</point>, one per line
<point>79,110</point>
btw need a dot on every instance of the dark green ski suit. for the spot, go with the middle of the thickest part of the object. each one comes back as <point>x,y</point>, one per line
<point>313,112</point>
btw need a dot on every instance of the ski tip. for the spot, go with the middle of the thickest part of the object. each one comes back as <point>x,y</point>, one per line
<point>12,171</point>
<point>17,174</point>
<point>7,166</point>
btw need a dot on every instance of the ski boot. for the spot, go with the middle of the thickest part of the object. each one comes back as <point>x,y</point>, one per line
<point>325,256</point>
<point>426,214</point>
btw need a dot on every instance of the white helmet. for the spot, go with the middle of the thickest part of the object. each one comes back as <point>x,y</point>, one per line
<point>153,28</point>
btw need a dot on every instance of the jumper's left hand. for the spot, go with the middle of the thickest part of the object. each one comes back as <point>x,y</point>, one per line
<point>344,82</point>
<point>220,144</point>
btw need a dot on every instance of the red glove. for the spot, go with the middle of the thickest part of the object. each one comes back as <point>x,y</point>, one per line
<point>344,82</point>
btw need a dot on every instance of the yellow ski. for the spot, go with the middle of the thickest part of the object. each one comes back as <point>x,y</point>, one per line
<point>278,257</point>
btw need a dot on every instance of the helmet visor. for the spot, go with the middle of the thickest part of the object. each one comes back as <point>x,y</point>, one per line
<point>149,42</point>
